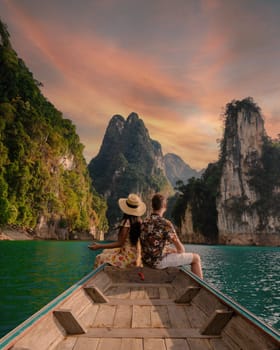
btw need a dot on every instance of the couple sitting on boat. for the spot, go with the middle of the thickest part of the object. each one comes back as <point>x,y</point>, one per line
<point>146,241</point>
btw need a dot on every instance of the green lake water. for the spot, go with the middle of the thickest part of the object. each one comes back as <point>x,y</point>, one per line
<point>32,273</point>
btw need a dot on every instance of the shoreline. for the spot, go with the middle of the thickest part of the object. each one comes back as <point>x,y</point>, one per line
<point>12,234</point>
<point>19,234</point>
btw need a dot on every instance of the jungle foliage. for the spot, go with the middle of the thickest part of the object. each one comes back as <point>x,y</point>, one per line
<point>36,142</point>
<point>126,163</point>
<point>201,194</point>
<point>265,179</point>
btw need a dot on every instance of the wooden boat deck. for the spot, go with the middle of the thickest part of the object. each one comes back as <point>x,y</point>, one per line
<point>140,317</point>
<point>168,310</point>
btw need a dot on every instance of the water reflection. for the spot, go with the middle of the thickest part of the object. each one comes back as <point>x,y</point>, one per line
<point>33,273</point>
<point>249,275</point>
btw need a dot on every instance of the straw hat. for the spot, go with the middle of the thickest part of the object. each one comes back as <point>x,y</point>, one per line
<point>132,205</point>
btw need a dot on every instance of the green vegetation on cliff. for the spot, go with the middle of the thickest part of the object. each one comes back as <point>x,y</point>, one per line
<point>42,169</point>
<point>265,180</point>
<point>128,161</point>
<point>201,195</point>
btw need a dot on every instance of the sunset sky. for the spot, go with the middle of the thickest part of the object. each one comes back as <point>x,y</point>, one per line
<point>176,63</point>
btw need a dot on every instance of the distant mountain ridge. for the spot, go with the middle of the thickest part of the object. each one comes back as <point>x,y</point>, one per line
<point>177,170</point>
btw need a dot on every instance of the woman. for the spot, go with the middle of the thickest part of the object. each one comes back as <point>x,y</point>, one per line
<point>125,252</point>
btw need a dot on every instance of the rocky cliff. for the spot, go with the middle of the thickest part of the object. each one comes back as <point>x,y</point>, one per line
<point>240,219</point>
<point>128,161</point>
<point>177,170</point>
<point>237,199</point>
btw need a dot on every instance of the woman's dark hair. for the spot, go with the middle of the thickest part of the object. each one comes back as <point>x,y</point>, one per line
<point>135,227</point>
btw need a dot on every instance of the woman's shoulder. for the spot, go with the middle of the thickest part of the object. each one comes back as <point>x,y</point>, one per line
<point>125,223</point>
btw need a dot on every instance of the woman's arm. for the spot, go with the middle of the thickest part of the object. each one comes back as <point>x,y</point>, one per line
<point>119,243</point>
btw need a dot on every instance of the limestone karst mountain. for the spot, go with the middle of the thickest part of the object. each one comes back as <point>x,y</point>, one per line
<point>249,198</point>
<point>237,199</point>
<point>128,161</point>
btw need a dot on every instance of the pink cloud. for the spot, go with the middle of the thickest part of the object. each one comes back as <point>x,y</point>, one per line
<point>180,104</point>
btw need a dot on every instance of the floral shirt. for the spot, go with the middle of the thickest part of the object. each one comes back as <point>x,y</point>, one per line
<point>156,233</point>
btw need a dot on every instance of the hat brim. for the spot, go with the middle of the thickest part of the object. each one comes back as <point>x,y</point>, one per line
<point>139,211</point>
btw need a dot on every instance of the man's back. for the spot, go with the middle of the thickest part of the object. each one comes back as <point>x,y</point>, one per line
<point>156,231</point>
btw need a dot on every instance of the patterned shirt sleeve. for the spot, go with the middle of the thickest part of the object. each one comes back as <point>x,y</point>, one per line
<point>171,235</point>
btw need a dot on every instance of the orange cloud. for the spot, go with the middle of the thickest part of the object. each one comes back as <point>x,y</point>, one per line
<point>96,77</point>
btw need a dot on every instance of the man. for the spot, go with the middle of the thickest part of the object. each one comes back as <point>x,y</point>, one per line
<point>156,234</point>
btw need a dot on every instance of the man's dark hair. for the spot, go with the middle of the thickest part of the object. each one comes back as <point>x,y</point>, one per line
<point>158,201</point>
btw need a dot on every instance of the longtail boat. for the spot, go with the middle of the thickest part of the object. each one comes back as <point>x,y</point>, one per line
<point>142,309</point>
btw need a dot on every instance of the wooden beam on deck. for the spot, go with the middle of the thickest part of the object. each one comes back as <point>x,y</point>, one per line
<point>188,295</point>
<point>216,323</point>
<point>68,321</point>
<point>143,333</point>
<point>96,295</point>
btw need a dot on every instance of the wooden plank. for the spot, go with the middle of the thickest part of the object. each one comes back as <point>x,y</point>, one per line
<point>230,342</point>
<point>96,295</point>
<point>207,302</point>
<point>145,294</point>
<point>101,280</point>
<point>142,284</point>
<point>145,301</point>
<point>123,316</point>
<point>88,315</point>
<point>104,316</point>
<point>176,344</point>
<point>219,344</point>
<point>141,316</point>
<point>196,316</point>
<point>131,275</point>
<point>153,292</point>
<point>109,332</point>
<point>171,293</point>
<point>182,281</point>
<point>87,343</point>
<point>178,317</point>
<point>137,293</point>
<point>37,338</point>
<point>187,295</point>
<point>77,302</point>
<point>109,343</point>
<point>252,338</point>
<point>163,293</point>
<point>199,344</point>
<point>216,322</point>
<point>68,321</point>
<point>132,344</point>
<point>122,292</point>
<point>152,344</point>
<point>160,317</point>
<point>66,344</point>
